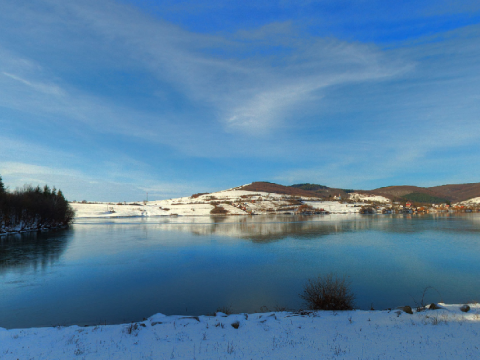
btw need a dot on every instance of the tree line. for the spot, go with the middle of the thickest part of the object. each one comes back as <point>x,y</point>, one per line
<point>31,208</point>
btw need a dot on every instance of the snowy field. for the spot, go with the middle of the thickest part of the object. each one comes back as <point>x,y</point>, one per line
<point>234,201</point>
<point>447,333</point>
<point>171,208</point>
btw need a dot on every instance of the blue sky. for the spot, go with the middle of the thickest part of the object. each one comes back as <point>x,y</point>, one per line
<point>108,100</point>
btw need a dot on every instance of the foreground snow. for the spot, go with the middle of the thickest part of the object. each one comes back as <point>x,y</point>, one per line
<point>447,333</point>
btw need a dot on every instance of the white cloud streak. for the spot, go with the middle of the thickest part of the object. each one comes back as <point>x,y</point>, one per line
<point>248,94</point>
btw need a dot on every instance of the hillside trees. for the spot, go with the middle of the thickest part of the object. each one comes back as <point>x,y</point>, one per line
<point>310,187</point>
<point>424,198</point>
<point>33,208</point>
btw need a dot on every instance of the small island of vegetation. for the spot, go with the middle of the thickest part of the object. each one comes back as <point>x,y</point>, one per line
<point>33,208</point>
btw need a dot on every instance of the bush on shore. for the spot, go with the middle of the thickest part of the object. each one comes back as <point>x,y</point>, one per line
<point>328,292</point>
<point>33,207</point>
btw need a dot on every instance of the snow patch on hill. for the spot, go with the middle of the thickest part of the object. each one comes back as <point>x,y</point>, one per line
<point>472,201</point>
<point>369,197</point>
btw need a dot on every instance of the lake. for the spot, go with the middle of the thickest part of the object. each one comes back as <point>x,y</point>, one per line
<point>121,270</point>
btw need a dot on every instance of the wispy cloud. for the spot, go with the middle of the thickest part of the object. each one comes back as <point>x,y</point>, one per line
<point>244,91</point>
<point>44,88</point>
<point>148,99</point>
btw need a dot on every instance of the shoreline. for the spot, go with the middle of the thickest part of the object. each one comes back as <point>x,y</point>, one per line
<point>443,333</point>
<point>34,229</point>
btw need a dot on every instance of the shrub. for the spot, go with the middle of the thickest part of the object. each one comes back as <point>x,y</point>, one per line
<point>304,208</point>
<point>328,292</point>
<point>218,210</point>
<point>227,310</point>
<point>367,210</point>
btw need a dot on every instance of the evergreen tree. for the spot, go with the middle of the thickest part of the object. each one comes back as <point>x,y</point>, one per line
<point>2,187</point>
<point>33,207</point>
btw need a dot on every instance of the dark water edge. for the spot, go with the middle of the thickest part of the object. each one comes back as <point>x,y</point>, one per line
<point>121,270</point>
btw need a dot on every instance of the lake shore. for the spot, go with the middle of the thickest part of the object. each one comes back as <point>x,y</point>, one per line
<point>443,333</point>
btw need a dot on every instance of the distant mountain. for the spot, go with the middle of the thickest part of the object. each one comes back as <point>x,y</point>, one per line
<point>458,192</point>
<point>412,193</point>
<point>278,189</point>
<point>322,190</point>
<point>314,190</point>
<point>435,194</point>
<point>453,192</point>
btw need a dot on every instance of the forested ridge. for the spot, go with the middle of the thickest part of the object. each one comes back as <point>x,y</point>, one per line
<point>31,208</point>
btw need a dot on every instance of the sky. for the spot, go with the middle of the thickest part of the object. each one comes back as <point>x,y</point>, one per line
<point>111,100</point>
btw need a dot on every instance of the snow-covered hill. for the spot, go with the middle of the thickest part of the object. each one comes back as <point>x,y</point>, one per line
<point>235,201</point>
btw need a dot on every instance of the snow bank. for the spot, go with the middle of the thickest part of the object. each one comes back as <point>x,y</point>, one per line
<point>335,207</point>
<point>473,201</point>
<point>369,197</point>
<point>446,333</point>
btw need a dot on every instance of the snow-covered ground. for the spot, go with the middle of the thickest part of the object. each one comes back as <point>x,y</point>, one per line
<point>235,201</point>
<point>369,197</point>
<point>447,333</point>
<point>473,201</point>
<point>335,207</point>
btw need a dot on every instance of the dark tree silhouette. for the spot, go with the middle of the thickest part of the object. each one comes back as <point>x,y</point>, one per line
<point>33,208</point>
<point>2,187</point>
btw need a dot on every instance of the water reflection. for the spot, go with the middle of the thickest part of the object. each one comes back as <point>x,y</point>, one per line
<point>267,228</point>
<point>32,250</point>
<point>124,269</point>
<point>274,228</point>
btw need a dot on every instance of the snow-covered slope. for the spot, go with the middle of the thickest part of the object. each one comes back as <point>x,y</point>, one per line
<point>369,197</point>
<point>234,201</point>
<point>473,201</point>
<point>447,333</point>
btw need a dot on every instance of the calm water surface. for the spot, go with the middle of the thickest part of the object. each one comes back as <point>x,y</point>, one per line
<point>122,270</point>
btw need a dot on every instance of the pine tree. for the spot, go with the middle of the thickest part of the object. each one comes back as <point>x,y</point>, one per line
<point>34,206</point>
<point>2,187</point>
